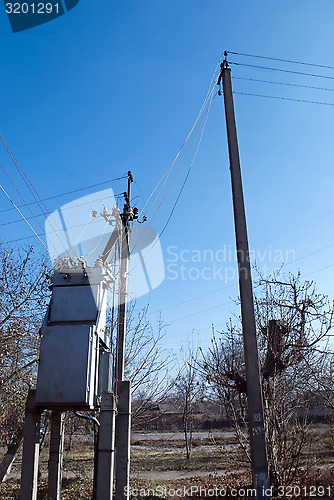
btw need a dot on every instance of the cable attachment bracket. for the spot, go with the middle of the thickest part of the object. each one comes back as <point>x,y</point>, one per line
<point>223,66</point>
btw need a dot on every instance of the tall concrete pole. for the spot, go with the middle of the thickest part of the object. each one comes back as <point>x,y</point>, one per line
<point>122,387</point>
<point>126,216</point>
<point>254,392</point>
<point>122,301</point>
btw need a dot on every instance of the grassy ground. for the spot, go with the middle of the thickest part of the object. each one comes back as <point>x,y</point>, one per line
<point>159,469</point>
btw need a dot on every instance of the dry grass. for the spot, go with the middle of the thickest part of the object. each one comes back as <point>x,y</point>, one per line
<point>216,465</point>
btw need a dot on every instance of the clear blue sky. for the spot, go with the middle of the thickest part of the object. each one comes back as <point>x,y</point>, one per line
<point>113,86</point>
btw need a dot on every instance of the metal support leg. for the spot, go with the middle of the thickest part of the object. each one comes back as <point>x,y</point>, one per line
<point>56,455</point>
<point>103,487</point>
<point>30,456</point>
<point>123,428</point>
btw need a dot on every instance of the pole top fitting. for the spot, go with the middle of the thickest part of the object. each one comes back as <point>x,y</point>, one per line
<point>130,176</point>
<point>225,62</point>
<point>223,66</point>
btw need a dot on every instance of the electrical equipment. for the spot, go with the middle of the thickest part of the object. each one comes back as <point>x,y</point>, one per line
<point>75,347</point>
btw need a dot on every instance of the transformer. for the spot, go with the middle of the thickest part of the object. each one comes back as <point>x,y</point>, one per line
<point>75,360</point>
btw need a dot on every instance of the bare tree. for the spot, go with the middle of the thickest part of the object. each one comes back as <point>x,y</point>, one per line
<point>23,301</point>
<point>147,363</point>
<point>293,322</point>
<point>189,392</point>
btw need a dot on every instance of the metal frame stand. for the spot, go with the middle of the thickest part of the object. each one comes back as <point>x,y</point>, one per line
<point>30,456</point>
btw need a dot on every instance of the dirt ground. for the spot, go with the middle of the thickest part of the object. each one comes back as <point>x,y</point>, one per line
<point>159,468</point>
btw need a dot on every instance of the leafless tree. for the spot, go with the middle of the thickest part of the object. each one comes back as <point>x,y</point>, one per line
<point>188,393</point>
<point>23,300</point>
<point>293,322</point>
<point>147,364</point>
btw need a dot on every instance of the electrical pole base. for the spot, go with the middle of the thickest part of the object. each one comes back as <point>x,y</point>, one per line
<point>262,486</point>
<point>104,459</point>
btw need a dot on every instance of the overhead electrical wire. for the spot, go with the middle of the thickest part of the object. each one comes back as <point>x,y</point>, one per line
<point>291,84</point>
<point>192,145</point>
<point>22,173</point>
<point>283,83</point>
<point>164,178</point>
<point>212,292</point>
<point>63,209</point>
<point>20,195</point>
<point>284,98</point>
<point>189,169</point>
<point>24,177</point>
<point>313,75</point>
<point>206,106</point>
<point>297,100</point>
<point>203,311</point>
<point>54,225</point>
<point>31,189</point>
<point>282,60</point>
<point>12,202</point>
<point>70,192</point>
<point>25,204</point>
<point>167,172</point>
<point>200,132</point>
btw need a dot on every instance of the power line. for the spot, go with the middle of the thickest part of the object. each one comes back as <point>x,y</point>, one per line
<point>33,230</point>
<point>167,173</point>
<point>283,83</point>
<point>232,285</point>
<point>313,75</point>
<point>32,190</point>
<point>285,98</point>
<point>206,106</point>
<point>310,221</point>
<point>282,60</point>
<point>62,209</point>
<point>25,204</point>
<point>203,311</point>
<point>69,192</point>
<point>317,270</point>
<point>38,235</point>
<point>190,167</point>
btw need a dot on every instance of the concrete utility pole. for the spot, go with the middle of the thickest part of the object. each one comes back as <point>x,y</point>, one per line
<point>122,387</point>
<point>126,216</point>
<point>254,392</point>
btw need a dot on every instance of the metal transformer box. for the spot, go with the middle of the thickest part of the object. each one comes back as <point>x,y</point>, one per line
<point>68,361</point>
<point>74,351</point>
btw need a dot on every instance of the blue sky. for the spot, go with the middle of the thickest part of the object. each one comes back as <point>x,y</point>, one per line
<point>114,85</point>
